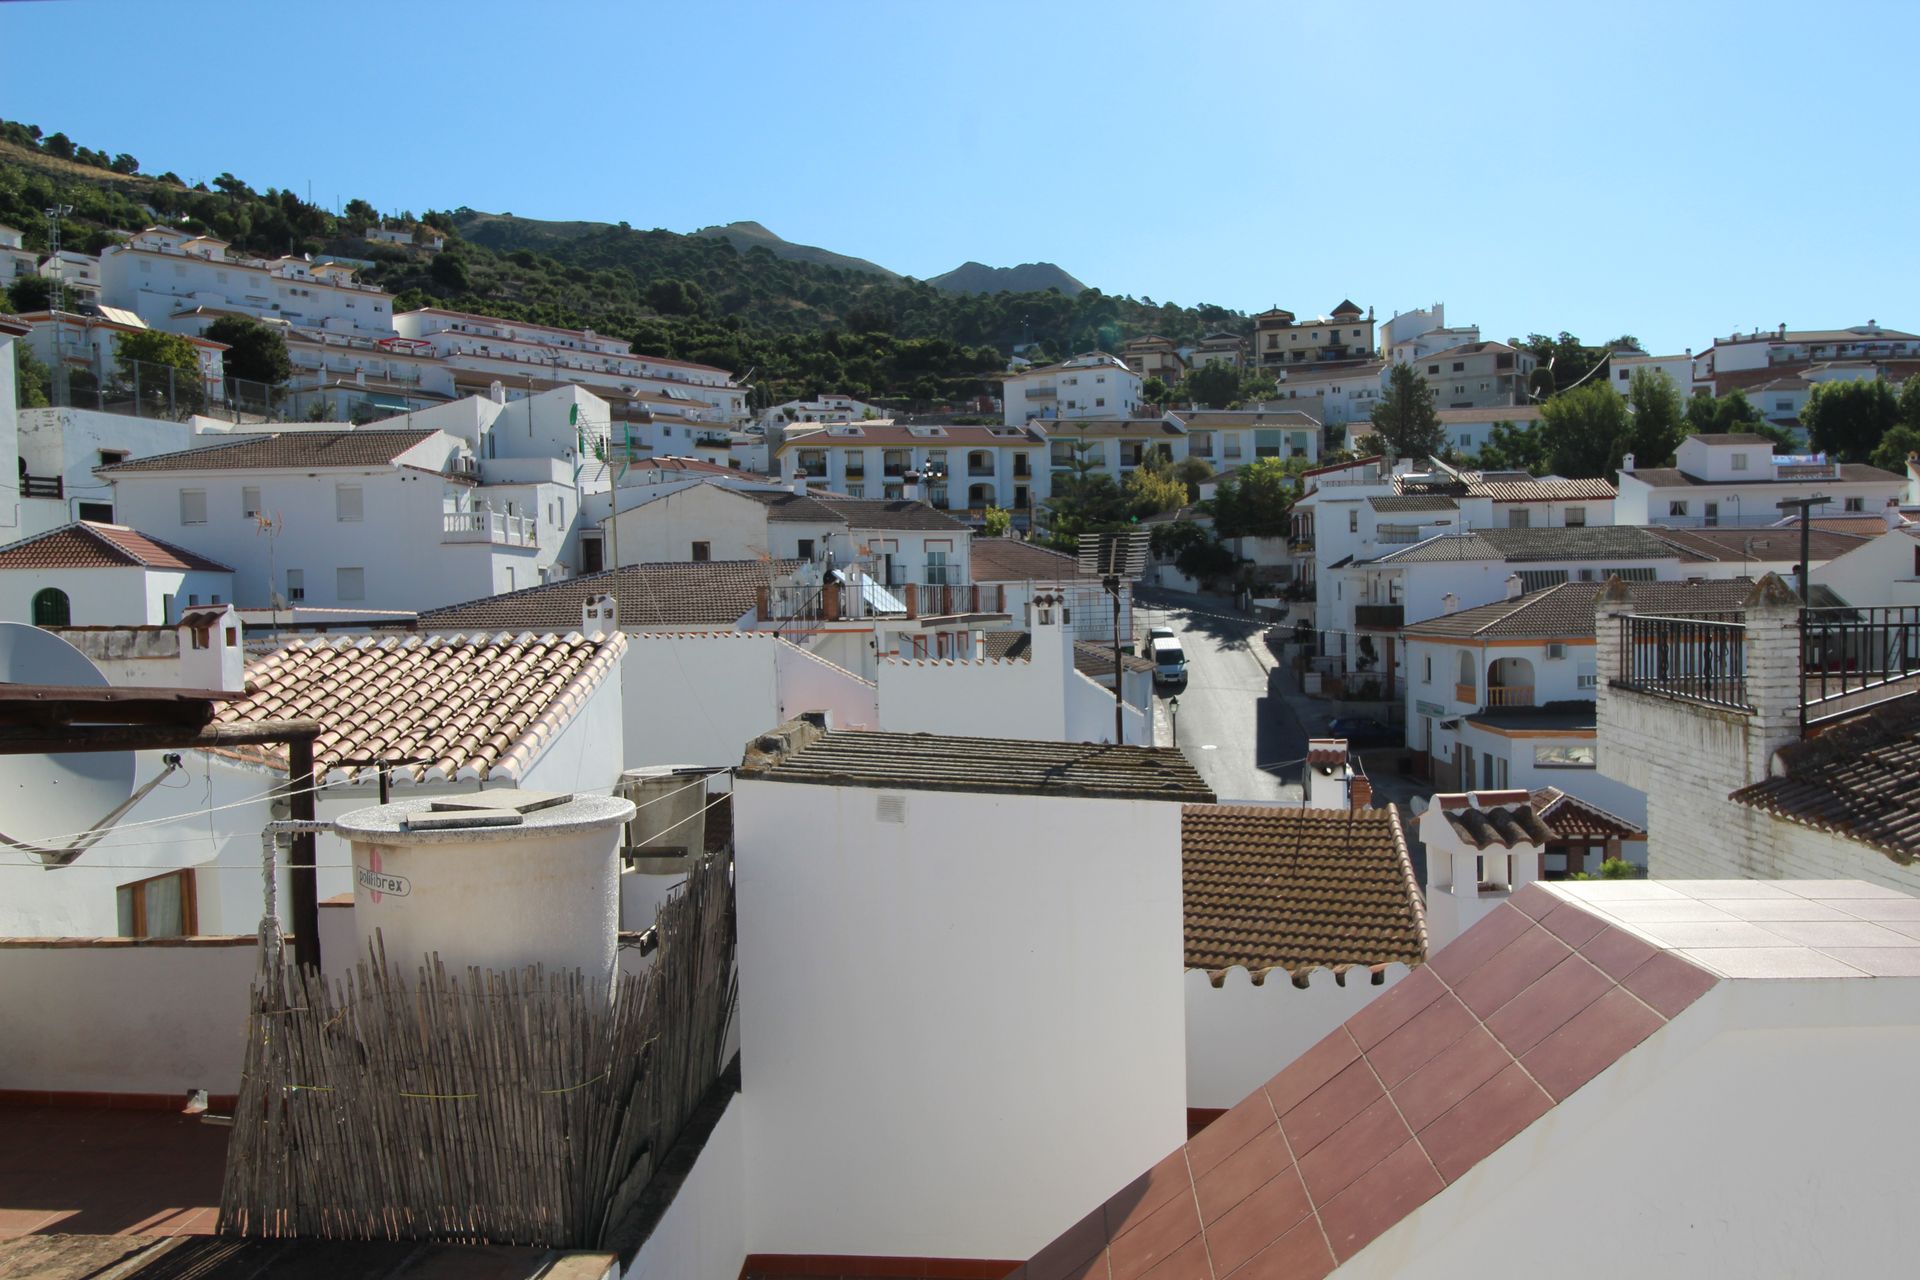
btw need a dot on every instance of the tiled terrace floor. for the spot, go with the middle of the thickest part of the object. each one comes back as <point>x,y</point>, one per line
<point>92,1171</point>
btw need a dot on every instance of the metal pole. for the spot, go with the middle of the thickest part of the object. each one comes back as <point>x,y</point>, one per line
<point>305,880</point>
<point>1112,584</point>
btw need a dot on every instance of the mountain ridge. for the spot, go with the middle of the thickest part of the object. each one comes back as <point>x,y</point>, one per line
<point>1028,277</point>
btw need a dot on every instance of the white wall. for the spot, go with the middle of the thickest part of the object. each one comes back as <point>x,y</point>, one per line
<point>1881,571</point>
<point>1759,1135</point>
<point>703,1234</point>
<point>959,1032</point>
<point>120,1017</point>
<point>666,527</point>
<point>982,698</point>
<point>808,682</point>
<point>67,443</point>
<point>1239,1034</point>
<point>698,699</point>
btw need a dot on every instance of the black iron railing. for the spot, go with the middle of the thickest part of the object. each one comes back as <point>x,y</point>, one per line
<point>1699,658</point>
<point>1844,651</point>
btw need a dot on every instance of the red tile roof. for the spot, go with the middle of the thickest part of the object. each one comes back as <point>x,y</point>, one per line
<point>706,593</point>
<point>1297,889</point>
<point>1404,1099</point>
<point>1571,818</point>
<point>89,544</point>
<point>1011,560</point>
<point>365,447</point>
<point>1855,781</point>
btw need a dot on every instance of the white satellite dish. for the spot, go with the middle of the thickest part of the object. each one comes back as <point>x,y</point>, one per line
<point>50,795</point>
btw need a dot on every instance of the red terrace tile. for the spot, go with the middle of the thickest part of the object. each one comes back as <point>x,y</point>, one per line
<point>1412,1046</point>
<point>1477,945</point>
<point>1240,1174</point>
<point>1332,1105</point>
<point>1301,1254</point>
<point>1594,1040</point>
<point>1188,1262</point>
<point>1483,1122</point>
<point>1155,1239</point>
<point>1572,925</point>
<point>1669,983</point>
<point>1535,901</point>
<point>1198,1118</point>
<point>1468,1063</point>
<point>1518,966</point>
<point>1068,1255</point>
<point>1615,952</point>
<point>1381,1017</point>
<point>1229,1133</point>
<point>1383,1195</point>
<point>1258,1221</point>
<point>1542,1008</point>
<point>1362,1143</point>
<point>1139,1199</point>
<point>1311,1070</point>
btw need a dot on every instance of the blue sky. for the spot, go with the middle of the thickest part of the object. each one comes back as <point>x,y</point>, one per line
<point>1672,170</point>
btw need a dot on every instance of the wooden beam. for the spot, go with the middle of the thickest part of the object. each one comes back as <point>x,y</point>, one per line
<point>71,739</point>
<point>306,885</point>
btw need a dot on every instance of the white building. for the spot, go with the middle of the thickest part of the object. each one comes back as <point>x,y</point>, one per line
<point>105,575</point>
<point>60,449</point>
<point>1468,429</point>
<point>181,282</point>
<point>1736,479</point>
<point>89,344</point>
<point>827,407</point>
<point>1741,359</point>
<point>1677,368</point>
<point>1476,375</point>
<point>959,468</point>
<point>1333,394</point>
<point>1877,571</point>
<point>16,260</point>
<point>1095,385</point>
<point>1225,438</point>
<point>78,274</point>
<point>1113,447</point>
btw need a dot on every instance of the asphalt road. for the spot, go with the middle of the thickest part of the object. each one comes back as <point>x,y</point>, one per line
<point>1232,723</point>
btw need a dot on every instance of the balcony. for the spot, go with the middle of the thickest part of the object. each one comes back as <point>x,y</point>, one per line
<point>1022,470</point>
<point>1466,693</point>
<point>1691,659</point>
<point>42,487</point>
<point>713,440</point>
<point>976,471</point>
<point>1379,617</point>
<point>1042,393</point>
<point>1509,695</point>
<point>488,526</point>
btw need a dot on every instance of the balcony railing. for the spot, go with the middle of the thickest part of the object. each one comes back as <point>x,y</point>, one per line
<point>43,487</point>
<point>1509,695</point>
<point>1693,659</point>
<point>1379,617</point>
<point>977,472</point>
<point>1465,693</point>
<point>1844,651</point>
<point>1041,393</point>
<point>488,526</point>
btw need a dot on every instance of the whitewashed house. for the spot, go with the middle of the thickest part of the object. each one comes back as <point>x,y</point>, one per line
<point>1224,439</point>
<point>181,282</point>
<point>1736,479</point>
<point>955,468</point>
<point>1876,571</point>
<point>1094,385</point>
<point>92,575</point>
<point>1468,429</point>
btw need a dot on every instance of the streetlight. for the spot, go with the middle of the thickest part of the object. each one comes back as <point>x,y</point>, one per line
<point>1173,708</point>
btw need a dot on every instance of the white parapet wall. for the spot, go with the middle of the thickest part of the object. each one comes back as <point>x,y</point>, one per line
<point>703,1234</point>
<point>1241,1033</point>
<point>116,1015</point>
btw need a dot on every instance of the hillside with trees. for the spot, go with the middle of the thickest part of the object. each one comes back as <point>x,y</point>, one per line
<point>795,328</point>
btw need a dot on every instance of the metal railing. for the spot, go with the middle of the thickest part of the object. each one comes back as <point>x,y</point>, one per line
<point>1380,617</point>
<point>1693,659</point>
<point>1844,651</point>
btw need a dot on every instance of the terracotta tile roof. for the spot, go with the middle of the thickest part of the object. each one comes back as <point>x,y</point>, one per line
<point>1413,502</point>
<point>855,513</point>
<point>1675,478</point>
<point>477,707</point>
<point>1491,413</point>
<point>1011,560</point>
<point>89,544</point>
<point>936,762</point>
<point>367,447</point>
<point>1297,889</point>
<point>1858,526</point>
<point>1604,542</point>
<point>1548,489</point>
<point>1571,818</point>
<point>1110,428</point>
<point>1218,419</point>
<point>1856,781</point>
<point>1768,544</point>
<point>1403,1100</point>
<point>1505,825</point>
<point>1566,610</point>
<point>712,593</point>
<point>873,434</point>
<point>1730,437</point>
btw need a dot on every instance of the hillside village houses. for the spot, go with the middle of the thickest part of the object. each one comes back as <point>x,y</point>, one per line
<point>1094,385</point>
<point>1738,480</point>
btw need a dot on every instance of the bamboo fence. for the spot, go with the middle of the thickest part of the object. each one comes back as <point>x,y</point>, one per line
<point>515,1108</point>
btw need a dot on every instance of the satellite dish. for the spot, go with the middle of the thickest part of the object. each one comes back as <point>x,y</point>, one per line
<point>50,795</point>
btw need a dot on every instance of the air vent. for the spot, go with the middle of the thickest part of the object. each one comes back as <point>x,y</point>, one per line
<point>890,809</point>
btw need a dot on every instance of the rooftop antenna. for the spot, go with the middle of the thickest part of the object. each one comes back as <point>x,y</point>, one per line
<point>57,297</point>
<point>1116,556</point>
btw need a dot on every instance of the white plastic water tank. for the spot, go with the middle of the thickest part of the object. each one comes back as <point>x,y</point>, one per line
<point>542,890</point>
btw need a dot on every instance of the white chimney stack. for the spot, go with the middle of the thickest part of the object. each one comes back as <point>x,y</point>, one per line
<point>211,655</point>
<point>599,617</point>
<point>1626,465</point>
<point>1449,602</point>
<point>800,482</point>
<point>910,486</point>
<point>1515,587</point>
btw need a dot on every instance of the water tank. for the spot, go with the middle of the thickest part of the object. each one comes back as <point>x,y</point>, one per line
<point>498,879</point>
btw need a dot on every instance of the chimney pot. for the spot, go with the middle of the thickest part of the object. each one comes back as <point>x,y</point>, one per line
<point>1515,588</point>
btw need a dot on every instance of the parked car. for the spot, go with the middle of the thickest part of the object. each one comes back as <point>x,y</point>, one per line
<point>1362,732</point>
<point>1169,661</point>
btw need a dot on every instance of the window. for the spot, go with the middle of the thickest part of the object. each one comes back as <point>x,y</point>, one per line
<point>1712,515</point>
<point>193,506</point>
<point>51,608</point>
<point>1856,504</point>
<point>350,584</point>
<point>1519,518</point>
<point>1353,522</point>
<point>1576,517</point>
<point>1466,439</point>
<point>1740,462</point>
<point>160,907</point>
<point>702,551</point>
<point>109,457</point>
<point>347,507</point>
<point>1676,508</point>
<point>1100,402</point>
<point>101,512</point>
<point>250,500</point>
<point>1459,366</point>
<point>806,548</point>
<point>1427,676</point>
<point>1433,368</point>
<point>856,491</point>
<point>937,568</point>
<point>1578,756</point>
<point>296,585</point>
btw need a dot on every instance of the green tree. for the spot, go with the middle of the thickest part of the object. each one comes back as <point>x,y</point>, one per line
<point>29,293</point>
<point>1900,441</point>
<point>151,350</point>
<point>1654,428</point>
<point>124,163</point>
<point>255,352</point>
<point>1257,500</point>
<point>1214,385</point>
<point>58,144</point>
<point>999,520</point>
<point>1563,361</point>
<point>1583,432</point>
<point>1193,550</point>
<point>1192,472</point>
<point>449,271</point>
<point>1510,447</point>
<point>1910,403</point>
<point>1405,419</point>
<point>1847,420</point>
<point>1707,415</point>
<point>1155,390</point>
<point>1152,490</point>
<point>31,379</point>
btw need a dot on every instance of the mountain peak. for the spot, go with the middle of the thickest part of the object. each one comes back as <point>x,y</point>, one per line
<point>1028,277</point>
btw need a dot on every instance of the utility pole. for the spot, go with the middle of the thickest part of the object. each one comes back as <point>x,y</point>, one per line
<point>1805,506</point>
<point>57,302</point>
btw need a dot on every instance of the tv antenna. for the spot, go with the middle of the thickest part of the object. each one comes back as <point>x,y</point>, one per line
<point>1117,557</point>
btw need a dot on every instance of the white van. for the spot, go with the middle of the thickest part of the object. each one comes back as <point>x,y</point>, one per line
<point>1169,660</point>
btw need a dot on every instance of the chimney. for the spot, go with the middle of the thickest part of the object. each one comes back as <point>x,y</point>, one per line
<point>599,617</point>
<point>1359,792</point>
<point>497,392</point>
<point>1515,587</point>
<point>211,656</point>
<point>1782,332</point>
<point>910,486</point>
<point>1328,775</point>
<point>1449,602</point>
<point>800,482</point>
<point>1626,465</point>
<point>1466,878</point>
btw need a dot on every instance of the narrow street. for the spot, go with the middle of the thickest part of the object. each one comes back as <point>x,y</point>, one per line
<point>1241,735</point>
